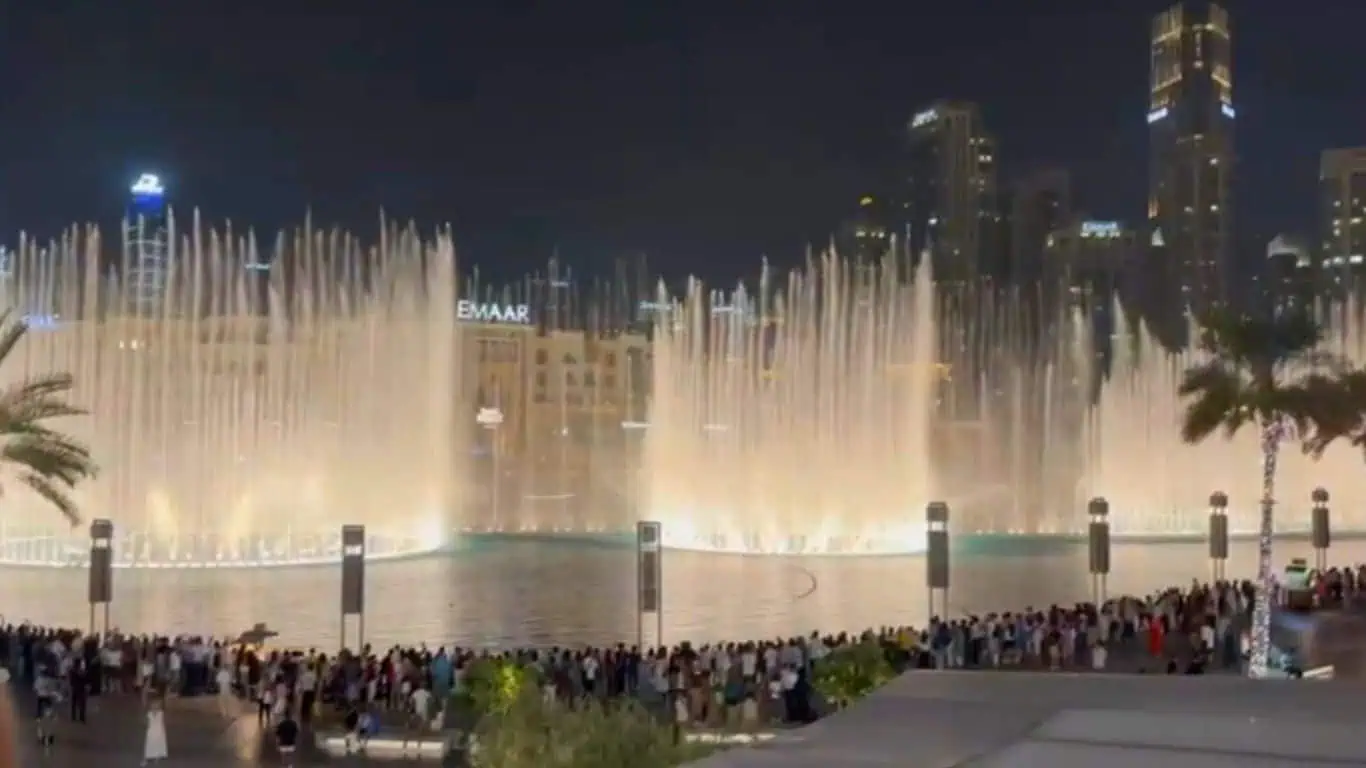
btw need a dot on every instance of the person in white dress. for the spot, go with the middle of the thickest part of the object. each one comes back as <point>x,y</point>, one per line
<point>154,745</point>
<point>223,680</point>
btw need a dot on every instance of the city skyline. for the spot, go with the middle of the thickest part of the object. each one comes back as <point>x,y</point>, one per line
<point>694,137</point>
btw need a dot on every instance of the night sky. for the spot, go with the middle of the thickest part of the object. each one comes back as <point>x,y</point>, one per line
<point>704,134</point>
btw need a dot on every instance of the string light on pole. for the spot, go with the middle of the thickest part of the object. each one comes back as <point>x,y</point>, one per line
<point>1274,431</point>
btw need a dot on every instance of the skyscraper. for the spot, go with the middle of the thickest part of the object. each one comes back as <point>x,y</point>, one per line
<point>949,193</point>
<point>1342,216</point>
<point>1085,261</point>
<point>147,244</point>
<point>864,235</point>
<point>1190,125</point>
<point>1040,203</point>
<point>1289,276</point>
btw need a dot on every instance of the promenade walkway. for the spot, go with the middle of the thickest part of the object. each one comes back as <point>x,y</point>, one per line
<point>112,736</point>
<point>987,720</point>
<point>198,737</point>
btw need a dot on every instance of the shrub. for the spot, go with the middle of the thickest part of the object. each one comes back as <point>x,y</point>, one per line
<point>850,673</point>
<point>491,686</point>
<point>534,733</point>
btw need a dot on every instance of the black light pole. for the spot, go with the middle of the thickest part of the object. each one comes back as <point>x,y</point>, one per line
<point>101,570</point>
<point>1218,535</point>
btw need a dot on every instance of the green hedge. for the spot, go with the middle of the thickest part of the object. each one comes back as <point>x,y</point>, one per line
<point>516,728</point>
<point>848,674</point>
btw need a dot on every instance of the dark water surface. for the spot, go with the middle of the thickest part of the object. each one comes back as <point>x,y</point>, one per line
<point>538,593</point>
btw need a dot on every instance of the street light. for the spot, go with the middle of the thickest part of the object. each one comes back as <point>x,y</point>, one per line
<point>1218,534</point>
<point>1320,533</point>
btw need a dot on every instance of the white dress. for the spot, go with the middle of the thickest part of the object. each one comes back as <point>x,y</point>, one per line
<point>154,746</point>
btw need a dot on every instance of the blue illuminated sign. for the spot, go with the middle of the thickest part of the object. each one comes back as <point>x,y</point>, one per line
<point>148,185</point>
<point>1227,110</point>
<point>1100,229</point>
<point>1157,114</point>
<point>924,118</point>
<point>42,322</point>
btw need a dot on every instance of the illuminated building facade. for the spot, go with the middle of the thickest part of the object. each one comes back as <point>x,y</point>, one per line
<point>865,235</point>
<point>550,405</point>
<point>146,244</point>
<point>1342,216</point>
<point>949,201</point>
<point>1290,278</point>
<point>1087,260</point>
<point>1190,124</point>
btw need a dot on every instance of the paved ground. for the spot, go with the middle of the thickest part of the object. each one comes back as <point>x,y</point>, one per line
<point>986,720</point>
<point>197,735</point>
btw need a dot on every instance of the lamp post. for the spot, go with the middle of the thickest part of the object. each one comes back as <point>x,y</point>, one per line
<point>1218,535</point>
<point>101,589</point>
<point>1098,510</point>
<point>1320,532</point>
<point>937,555</point>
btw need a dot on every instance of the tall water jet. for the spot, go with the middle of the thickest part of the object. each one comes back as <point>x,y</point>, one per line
<point>1158,485</point>
<point>242,417</point>
<point>797,421</point>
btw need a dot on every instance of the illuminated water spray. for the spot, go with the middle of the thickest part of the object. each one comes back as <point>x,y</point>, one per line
<point>242,415</point>
<point>1158,485</point>
<point>797,419</point>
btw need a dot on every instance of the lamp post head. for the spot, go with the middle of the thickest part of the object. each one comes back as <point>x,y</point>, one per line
<point>1319,496</point>
<point>101,530</point>
<point>1098,508</point>
<point>1218,500</point>
<point>937,512</point>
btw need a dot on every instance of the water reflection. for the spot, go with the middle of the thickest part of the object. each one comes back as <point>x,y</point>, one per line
<point>538,593</point>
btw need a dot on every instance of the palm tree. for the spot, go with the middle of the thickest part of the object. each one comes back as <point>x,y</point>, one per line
<point>50,463</point>
<point>1270,373</point>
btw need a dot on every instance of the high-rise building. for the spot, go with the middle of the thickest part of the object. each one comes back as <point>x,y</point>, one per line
<point>1190,125</point>
<point>1289,276</point>
<point>1039,204</point>
<point>949,203</point>
<point>1342,217</point>
<point>1086,261</point>
<point>865,235</point>
<point>147,244</point>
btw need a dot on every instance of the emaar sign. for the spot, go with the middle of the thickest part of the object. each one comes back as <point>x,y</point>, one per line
<point>467,311</point>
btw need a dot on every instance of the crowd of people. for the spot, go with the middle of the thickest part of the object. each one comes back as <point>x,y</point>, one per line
<point>1194,629</point>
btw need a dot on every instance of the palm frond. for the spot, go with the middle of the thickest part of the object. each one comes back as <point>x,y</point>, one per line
<point>49,455</point>
<point>46,387</point>
<point>49,463</point>
<point>1338,405</point>
<point>54,495</point>
<point>11,333</point>
<point>1218,398</point>
<point>1260,344</point>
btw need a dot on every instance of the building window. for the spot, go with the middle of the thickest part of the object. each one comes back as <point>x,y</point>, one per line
<point>589,380</point>
<point>542,357</point>
<point>610,360</point>
<point>569,359</point>
<point>540,379</point>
